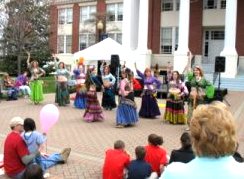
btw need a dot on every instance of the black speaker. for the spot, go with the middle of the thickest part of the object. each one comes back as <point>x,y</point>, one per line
<point>115,64</point>
<point>219,64</point>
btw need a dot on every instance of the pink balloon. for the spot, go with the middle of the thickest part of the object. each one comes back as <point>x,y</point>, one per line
<point>49,115</point>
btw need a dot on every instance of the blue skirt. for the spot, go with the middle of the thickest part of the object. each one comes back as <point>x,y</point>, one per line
<point>80,100</point>
<point>126,112</point>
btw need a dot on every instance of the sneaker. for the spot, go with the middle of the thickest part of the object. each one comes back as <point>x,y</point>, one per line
<point>65,154</point>
<point>119,126</point>
<point>187,129</point>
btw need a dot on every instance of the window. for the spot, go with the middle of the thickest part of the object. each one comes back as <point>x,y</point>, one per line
<point>64,43</point>
<point>167,5</point>
<point>166,40</point>
<point>217,35</point>
<point>223,4</point>
<point>65,16</point>
<point>87,13</point>
<point>176,38</point>
<point>115,12</point>
<point>86,40</point>
<point>177,5</point>
<point>116,36</point>
<point>210,4</point>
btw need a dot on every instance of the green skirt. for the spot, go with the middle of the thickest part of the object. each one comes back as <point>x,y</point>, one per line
<point>62,94</point>
<point>36,91</point>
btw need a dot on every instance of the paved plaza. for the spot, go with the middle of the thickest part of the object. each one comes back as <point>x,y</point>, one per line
<point>90,140</point>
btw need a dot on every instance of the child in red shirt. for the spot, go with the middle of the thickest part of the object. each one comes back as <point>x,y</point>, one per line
<point>156,156</point>
<point>116,160</point>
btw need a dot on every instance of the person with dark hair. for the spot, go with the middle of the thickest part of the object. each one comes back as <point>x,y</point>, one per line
<point>139,168</point>
<point>80,76</point>
<point>16,154</point>
<point>185,153</point>
<point>33,171</point>
<point>116,160</point>
<point>149,105</point>
<point>22,84</point>
<point>156,156</point>
<point>36,141</point>
<point>62,92</point>
<point>108,99</point>
<point>93,110</point>
<point>174,111</point>
<point>126,112</point>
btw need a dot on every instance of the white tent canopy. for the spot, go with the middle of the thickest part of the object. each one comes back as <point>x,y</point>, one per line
<point>103,51</point>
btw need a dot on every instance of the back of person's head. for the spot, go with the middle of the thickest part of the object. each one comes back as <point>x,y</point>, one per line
<point>119,144</point>
<point>33,171</point>
<point>185,140</point>
<point>213,131</point>
<point>155,140</point>
<point>140,152</point>
<point>29,125</point>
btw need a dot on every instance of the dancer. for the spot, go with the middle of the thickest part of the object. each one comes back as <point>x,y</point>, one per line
<point>201,89</point>
<point>108,99</point>
<point>93,110</point>
<point>35,84</point>
<point>62,92</point>
<point>35,141</point>
<point>174,112</point>
<point>149,106</point>
<point>126,113</point>
<point>80,97</point>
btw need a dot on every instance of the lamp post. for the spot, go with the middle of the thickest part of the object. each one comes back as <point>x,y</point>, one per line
<point>100,27</point>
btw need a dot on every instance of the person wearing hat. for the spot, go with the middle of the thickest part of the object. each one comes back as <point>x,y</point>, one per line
<point>16,154</point>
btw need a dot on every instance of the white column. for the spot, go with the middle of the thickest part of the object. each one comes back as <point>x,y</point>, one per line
<point>130,24</point>
<point>229,50</point>
<point>180,56</point>
<point>142,49</point>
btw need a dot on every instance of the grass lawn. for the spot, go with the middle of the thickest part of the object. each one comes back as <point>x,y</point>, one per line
<point>49,84</point>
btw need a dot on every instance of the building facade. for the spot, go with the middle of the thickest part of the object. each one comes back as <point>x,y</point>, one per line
<point>157,30</point>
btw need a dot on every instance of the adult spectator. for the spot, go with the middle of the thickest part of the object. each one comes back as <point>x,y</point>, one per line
<point>16,155</point>
<point>139,168</point>
<point>156,156</point>
<point>116,161</point>
<point>185,153</point>
<point>214,142</point>
<point>22,84</point>
<point>9,84</point>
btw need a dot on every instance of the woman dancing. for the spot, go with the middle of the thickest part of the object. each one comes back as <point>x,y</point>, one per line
<point>35,82</point>
<point>149,106</point>
<point>126,113</point>
<point>62,92</point>
<point>108,99</point>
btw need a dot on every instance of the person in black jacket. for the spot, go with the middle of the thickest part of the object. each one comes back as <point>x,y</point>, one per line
<point>185,153</point>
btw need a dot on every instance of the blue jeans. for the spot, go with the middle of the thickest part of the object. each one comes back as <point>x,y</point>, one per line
<point>48,161</point>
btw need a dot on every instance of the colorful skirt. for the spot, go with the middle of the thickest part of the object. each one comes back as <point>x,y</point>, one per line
<point>80,100</point>
<point>62,94</point>
<point>108,99</point>
<point>126,113</point>
<point>36,91</point>
<point>149,105</point>
<point>174,112</point>
<point>93,113</point>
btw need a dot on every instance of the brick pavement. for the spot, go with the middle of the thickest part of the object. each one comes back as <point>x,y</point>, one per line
<point>89,140</point>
